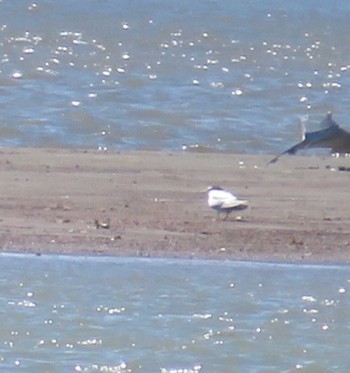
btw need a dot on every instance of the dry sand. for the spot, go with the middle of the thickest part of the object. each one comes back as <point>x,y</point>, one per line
<point>150,204</point>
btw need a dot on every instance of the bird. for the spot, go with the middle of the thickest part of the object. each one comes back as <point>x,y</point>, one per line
<point>331,136</point>
<point>224,201</point>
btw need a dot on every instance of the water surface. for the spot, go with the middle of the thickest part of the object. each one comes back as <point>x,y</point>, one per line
<point>224,75</point>
<point>76,314</point>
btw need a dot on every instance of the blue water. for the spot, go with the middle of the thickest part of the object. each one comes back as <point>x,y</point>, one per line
<point>69,314</point>
<point>235,76</point>
<point>224,75</point>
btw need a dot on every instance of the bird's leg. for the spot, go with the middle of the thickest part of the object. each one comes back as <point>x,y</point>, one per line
<point>226,216</point>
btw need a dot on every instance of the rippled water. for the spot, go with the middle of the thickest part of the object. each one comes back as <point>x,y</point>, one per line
<point>225,75</point>
<point>221,75</point>
<point>75,314</point>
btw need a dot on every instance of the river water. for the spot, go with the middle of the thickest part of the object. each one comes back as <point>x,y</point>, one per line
<point>84,314</point>
<point>235,76</point>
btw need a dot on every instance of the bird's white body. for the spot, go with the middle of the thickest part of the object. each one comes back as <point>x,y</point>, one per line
<point>223,201</point>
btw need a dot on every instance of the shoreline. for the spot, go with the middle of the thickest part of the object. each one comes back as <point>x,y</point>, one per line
<point>149,204</point>
<point>168,259</point>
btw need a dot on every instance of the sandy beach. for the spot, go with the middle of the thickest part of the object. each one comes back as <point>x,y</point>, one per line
<point>152,204</point>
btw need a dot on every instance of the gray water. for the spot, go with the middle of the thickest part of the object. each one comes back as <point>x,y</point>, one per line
<point>76,314</point>
<point>225,75</point>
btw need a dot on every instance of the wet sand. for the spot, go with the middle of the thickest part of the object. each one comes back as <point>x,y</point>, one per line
<point>151,204</point>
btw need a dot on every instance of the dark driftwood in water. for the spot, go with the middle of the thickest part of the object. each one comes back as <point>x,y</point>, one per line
<point>332,137</point>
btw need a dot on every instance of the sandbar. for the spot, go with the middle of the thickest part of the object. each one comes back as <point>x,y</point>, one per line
<point>153,204</point>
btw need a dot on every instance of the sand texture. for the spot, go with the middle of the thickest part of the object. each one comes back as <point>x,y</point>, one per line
<point>151,204</point>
